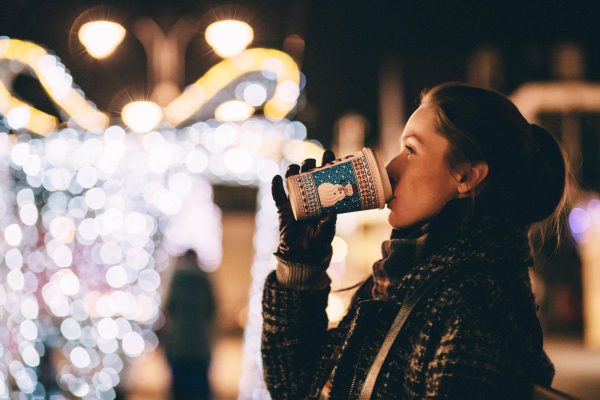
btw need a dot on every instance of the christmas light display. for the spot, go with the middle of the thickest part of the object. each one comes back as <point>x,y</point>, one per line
<point>86,229</point>
<point>90,214</point>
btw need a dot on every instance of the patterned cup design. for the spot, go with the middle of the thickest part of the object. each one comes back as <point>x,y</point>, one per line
<point>356,182</point>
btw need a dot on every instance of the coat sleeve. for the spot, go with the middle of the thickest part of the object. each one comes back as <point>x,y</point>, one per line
<point>294,331</point>
<point>296,343</point>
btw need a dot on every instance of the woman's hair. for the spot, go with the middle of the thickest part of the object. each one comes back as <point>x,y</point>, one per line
<point>527,170</point>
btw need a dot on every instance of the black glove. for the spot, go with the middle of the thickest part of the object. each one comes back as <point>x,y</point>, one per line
<point>306,240</point>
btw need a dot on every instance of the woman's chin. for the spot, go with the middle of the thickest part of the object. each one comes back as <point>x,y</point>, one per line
<point>393,221</point>
<point>399,223</point>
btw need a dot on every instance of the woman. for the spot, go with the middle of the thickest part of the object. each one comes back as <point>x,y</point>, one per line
<point>472,177</point>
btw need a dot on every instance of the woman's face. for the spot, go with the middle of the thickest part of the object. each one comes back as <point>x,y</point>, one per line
<point>422,182</point>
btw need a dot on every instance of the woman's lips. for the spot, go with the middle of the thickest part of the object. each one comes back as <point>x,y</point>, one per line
<point>389,202</point>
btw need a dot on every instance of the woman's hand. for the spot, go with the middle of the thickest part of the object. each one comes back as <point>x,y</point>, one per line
<point>306,240</point>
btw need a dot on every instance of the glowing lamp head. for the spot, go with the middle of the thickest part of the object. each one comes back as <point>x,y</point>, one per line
<point>142,116</point>
<point>229,37</point>
<point>101,38</point>
<point>233,111</point>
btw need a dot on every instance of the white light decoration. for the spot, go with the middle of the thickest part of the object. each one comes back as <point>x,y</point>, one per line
<point>13,234</point>
<point>15,280</point>
<point>229,37</point>
<point>133,344</point>
<point>80,357</point>
<point>100,210</point>
<point>142,116</point>
<point>255,94</point>
<point>101,38</point>
<point>233,111</point>
<point>87,228</point>
<point>18,117</point>
<point>105,244</point>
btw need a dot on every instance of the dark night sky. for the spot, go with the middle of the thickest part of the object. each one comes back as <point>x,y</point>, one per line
<point>345,42</point>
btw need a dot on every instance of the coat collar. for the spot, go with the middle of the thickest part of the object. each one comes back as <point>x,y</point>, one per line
<point>483,242</point>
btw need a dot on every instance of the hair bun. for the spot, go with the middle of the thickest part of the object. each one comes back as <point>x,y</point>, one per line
<point>545,187</point>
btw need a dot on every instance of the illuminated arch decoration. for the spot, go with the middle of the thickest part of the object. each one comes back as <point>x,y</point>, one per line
<point>277,63</point>
<point>246,153</point>
<point>58,84</point>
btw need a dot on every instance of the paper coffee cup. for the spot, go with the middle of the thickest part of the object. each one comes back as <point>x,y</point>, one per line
<point>356,182</point>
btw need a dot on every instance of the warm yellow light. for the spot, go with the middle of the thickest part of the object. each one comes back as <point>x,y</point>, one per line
<point>233,111</point>
<point>298,150</point>
<point>277,63</point>
<point>340,249</point>
<point>229,37</point>
<point>335,308</point>
<point>57,83</point>
<point>101,38</point>
<point>34,120</point>
<point>142,116</point>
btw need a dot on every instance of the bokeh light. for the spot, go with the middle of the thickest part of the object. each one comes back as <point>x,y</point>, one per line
<point>584,220</point>
<point>142,116</point>
<point>90,216</point>
<point>18,117</point>
<point>254,94</point>
<point>101,38</point>
<point>229,37</point>
<point>86,228</point>
<point>233,111</point>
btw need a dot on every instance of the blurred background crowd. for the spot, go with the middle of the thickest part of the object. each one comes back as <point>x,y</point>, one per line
<point>138,140</point>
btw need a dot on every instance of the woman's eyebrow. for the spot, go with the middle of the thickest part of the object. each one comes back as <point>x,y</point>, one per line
<point>413,136</point>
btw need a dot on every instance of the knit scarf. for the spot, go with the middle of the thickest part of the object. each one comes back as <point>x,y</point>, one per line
<point>446,237</point>
<point>398,255</point>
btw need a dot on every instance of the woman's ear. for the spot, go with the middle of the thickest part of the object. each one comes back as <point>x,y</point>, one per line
<point>470,176</point>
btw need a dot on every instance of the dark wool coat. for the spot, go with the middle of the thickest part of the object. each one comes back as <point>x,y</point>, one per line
<point>474,336</point>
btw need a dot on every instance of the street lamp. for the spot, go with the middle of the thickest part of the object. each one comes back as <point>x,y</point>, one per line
<point>165,50</point>
<point>229,38</point>
<point>101,38</point>
<point>142,116</point>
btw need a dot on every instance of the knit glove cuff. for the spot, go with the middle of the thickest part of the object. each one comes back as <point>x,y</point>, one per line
<point>303,275</point>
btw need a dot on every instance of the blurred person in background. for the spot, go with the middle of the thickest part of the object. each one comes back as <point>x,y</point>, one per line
<point>188,332</point>
<point>471,181</point>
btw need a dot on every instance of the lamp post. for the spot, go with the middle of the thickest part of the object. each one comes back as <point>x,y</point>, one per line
<point>165,50</point>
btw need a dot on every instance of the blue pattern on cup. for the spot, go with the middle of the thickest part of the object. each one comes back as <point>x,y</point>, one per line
<point>337,188</point>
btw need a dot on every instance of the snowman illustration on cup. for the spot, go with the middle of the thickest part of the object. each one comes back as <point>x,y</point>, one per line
<point>331,193</point>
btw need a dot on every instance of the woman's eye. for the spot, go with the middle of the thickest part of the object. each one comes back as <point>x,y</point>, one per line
<point>409,149</point>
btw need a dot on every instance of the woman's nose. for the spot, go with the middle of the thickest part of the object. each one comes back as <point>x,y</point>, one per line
<point>392,170</point>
